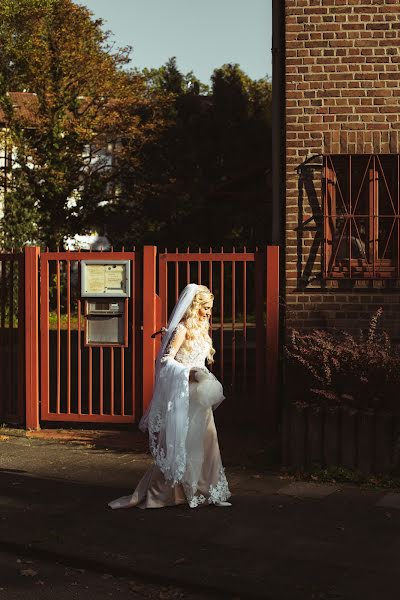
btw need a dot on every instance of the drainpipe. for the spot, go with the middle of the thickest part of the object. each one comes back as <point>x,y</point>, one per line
<point>278,122</point>
<point>278,194</point>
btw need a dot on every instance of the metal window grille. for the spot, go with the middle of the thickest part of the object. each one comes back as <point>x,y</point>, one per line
<point>361,202</point>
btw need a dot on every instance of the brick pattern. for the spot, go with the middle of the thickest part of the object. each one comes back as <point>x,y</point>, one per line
<point>342,85</point>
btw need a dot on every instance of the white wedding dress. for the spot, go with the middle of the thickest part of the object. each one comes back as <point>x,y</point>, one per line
<point>203,481</point>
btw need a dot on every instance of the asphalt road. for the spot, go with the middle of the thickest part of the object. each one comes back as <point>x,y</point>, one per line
<point>22,578</point>
<point>280,540</point>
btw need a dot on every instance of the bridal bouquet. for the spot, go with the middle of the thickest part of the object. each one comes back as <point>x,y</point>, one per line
<point>206,390</point>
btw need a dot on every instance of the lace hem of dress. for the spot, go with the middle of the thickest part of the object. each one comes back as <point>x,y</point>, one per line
<point>173,467</point>
<point>216,493</point>
<point>158,453</point>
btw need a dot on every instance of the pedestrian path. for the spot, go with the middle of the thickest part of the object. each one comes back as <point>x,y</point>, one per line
<point>281,539</point>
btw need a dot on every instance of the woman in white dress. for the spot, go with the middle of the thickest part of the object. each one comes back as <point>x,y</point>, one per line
<point>183,439</point>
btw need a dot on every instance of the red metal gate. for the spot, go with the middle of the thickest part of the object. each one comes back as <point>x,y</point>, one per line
<point>108,384</point>
<point>12,337</point>
<point>79,382</point>
<point>245,323</point>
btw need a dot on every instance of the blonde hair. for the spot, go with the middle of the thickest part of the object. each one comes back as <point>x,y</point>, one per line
<point>191,320</point>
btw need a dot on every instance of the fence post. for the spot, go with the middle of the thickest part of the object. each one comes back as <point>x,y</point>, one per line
<point>259,283</point>
<point>149,322</point>
<point>272,336</point>
<point>32,254</point>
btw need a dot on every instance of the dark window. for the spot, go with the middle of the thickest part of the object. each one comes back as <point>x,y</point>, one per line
<point>361,216</point>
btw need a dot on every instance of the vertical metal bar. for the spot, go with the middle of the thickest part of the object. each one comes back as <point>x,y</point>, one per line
<point>112,381</point>
<point>11,338</point>
<point>90,365</point>
<point>176,277</point>
<point>398,215</point>
<point>122,383</point>
<point>21,336</point>
<point>5,172</point>
<point>325,213</point>
<point>233,324</point>
<point>210,274</point>
<point>32,337</point>
<point>272,335</point>
<point>245,315</point>
<point>3,284</point>
<point>188,267</point>
<point>101,380</point>
<point>222,316</point>
<point>342,238</point>
<point>351,216</point>
<point>374,212</point>
<point>58,399</point>
<point>2,309</point>
<point>163,284</point>
<point>79,358</point>
<point>90,377</point>
<point>375,238</point>
<point>44,337</point>
<point>149,321</point>
<point>68,336</point>
<point>199,269</point>
<point>210,286</point>
<point>134,326</point>
<point>260,337</point>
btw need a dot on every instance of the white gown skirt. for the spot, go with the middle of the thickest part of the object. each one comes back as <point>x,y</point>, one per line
<point>204,481</point>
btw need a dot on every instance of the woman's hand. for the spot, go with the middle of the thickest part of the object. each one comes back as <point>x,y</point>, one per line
<point>192,376</point>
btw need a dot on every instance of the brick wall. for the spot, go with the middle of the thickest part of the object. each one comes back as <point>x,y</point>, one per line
<point>342,60</point>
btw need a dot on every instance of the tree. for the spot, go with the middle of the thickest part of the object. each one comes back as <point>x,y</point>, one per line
<point>204,181</point>
<point>90,115</point>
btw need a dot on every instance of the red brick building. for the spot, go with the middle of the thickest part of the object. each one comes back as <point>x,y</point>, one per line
<point>337,85</point>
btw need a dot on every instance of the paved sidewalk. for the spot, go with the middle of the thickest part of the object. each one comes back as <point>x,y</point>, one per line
<point>280,540</point>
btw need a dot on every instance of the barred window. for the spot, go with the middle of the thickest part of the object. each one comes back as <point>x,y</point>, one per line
<point>361,201</point>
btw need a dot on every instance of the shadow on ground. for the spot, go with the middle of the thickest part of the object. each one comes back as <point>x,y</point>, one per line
<point>53,503</point>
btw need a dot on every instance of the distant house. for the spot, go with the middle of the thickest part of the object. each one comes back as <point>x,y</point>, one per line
<point>26,106</point>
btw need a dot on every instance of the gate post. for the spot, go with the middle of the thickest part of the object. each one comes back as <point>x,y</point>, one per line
<point>149,322</point>
<point>272,336</point>
<point>32,254</point>
<point>259,283</point>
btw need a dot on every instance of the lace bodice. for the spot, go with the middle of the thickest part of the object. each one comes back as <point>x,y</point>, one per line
<point>177,349</point>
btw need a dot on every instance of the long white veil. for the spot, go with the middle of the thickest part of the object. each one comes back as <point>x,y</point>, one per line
<point>168,413</point>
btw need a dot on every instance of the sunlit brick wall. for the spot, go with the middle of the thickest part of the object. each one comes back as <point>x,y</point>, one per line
<point>342,60</point>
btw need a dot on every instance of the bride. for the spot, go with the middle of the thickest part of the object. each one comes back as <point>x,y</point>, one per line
<point>183,440</point>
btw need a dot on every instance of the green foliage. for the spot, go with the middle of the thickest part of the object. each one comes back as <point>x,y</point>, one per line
<point>203,180</point>
<point>342,369</point>
<point>84,102</point>
<point>152,157</point>
<point>19,218</point>
<point>168,79</point>
<point>336,475</point>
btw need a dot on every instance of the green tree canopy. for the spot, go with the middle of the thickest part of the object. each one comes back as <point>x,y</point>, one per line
<point>205,180</point>
<point>143,157</point>
<point>89,113</point>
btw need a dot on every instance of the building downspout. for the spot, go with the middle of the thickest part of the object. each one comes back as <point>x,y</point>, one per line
<point>278,122</point>
<point>279,196</point>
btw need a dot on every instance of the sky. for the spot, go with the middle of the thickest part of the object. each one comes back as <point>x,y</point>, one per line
<point>202,34</point>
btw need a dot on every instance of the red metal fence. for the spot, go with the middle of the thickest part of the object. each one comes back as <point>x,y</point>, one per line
<point>11,337</point>
<point>244,325</point>
<point>79,382</point>
<point>49,374</point>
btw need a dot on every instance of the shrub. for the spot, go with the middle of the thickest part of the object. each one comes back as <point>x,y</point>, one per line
<point>341,369</point>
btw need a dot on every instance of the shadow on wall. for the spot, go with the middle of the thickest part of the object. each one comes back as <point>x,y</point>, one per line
<point>310,228</point>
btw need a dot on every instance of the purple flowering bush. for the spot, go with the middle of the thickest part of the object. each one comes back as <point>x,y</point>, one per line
<point>340,369</point>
